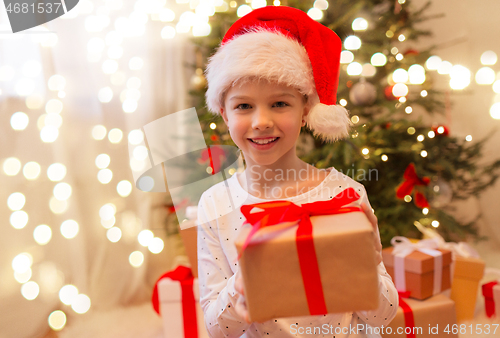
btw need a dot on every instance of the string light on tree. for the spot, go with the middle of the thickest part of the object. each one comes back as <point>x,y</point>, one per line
<point>352,42</point>
<point>359,24</point>
<point>346,57</point>
<point>378,60</point>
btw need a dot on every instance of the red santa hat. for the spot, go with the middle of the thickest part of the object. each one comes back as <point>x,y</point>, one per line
<point>283,44</point>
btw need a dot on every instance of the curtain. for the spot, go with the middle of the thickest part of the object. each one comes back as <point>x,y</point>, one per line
<point>98,267</point>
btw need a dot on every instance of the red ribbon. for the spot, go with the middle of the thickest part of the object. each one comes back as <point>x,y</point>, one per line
<point>276,212</point>
<point>410,181</point>
<point>184,275</point>
<point>408,313</point>
<point>489,301</point>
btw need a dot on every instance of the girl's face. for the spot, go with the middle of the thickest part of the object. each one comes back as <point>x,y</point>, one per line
<point>260,110</point>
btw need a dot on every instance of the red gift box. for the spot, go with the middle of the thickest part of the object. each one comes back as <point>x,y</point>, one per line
<point>176,299</point>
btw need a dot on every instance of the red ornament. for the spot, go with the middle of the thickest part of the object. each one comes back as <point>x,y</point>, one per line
<point>388,93</point>
<point>215,155</point>
<point>410,181</point>
<point>214,137</point>
<point>441,130</point>
<point>411,52</point>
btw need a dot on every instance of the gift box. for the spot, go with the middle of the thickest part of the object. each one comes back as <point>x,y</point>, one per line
<point>467,273</point>
<point>323,263</point>
<point>491,293</point>
<point>419,268</point>
<point>425,318</point>
<point>176,299</point>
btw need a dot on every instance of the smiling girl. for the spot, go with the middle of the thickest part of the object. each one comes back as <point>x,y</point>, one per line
<point>276,71</point>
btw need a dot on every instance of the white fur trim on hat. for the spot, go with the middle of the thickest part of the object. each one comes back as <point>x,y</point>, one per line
<point>262,54</point>
<point>328,122</point>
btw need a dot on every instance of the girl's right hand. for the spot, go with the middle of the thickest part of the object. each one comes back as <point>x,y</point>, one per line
<point>241,305</point>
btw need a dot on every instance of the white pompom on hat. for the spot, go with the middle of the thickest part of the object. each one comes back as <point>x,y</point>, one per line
<point>283,44</point>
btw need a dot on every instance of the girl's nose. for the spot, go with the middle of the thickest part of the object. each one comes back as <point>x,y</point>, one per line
<point>263,119</point>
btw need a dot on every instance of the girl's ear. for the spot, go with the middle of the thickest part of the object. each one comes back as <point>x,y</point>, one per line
<point>224,117</point>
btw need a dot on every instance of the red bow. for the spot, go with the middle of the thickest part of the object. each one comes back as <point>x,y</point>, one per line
<point>489,301</point>
<point>276,212</point>
<point>184,275</point>
<point>410,181</point>
<point>408,313</point>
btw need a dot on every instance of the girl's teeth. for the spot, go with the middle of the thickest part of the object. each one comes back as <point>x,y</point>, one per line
<point>269,141</point>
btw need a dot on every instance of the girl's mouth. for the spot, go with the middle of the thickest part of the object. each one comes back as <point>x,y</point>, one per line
<point>264,146</point>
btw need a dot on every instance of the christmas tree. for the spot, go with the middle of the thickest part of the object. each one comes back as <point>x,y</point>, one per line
<point>412,168</point>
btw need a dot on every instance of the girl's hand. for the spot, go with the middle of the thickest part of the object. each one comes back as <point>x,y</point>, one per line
<point>241,305</point>
<point>376,235</point>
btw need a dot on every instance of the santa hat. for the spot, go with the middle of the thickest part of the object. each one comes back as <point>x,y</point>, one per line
<point>283,44</point>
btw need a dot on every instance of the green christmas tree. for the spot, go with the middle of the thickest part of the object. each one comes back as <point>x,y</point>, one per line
<point>384,143</point>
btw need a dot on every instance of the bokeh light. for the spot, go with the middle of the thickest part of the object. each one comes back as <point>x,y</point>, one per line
<point>359,24</point>
<point>489,58</point>
<point>49,134</point>
<point>23,277</point>
<point>145,237</point>
<point>16,201</point>
<point>104,176</point>
<point>19,121</point>
<point>114,234</point>
<point>18,219</point>
<point>124,188</point>
<point>107,211</point>
<point>352,42</point>
<point>31,170</point>
<point>99,132</point>
<point>11,166</point>
<point>136,259</point>
<point>156,245</point>
<point>58,206</point>
<point>30,290</point>
<point>42,234</point>
<point>68,293</point>
<point>62,191</point>
<point>69,228</point>
<point>378,60</point>
<point>346,56</point>
<point>81,303</point>
<point>115,135</point>
<point>57,320</point>
<point>102,161</point>
<point>22,262</point>
<point>56,172</point>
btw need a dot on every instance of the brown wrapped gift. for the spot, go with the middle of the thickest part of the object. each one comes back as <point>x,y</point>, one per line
<point>419,272</point>
<point>345,253</point>
<point>433,314</point>
<point>464,288</point>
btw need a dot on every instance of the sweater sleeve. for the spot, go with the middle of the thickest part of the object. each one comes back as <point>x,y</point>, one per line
<point>216,280</point>
<point>388,294</point>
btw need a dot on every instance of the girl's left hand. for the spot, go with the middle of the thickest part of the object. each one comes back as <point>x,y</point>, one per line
<point>376,235</point>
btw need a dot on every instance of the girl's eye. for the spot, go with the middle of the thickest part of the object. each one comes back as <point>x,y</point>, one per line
<point>243,104</point>
<point>284,104</point>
